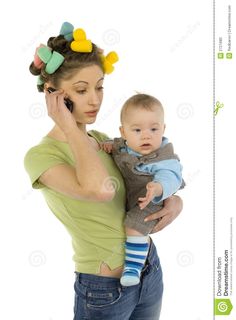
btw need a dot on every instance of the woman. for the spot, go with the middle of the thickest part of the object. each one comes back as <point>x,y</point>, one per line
<point>83,187</point>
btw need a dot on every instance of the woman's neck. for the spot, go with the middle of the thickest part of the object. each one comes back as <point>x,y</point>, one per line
<point>58,134</point>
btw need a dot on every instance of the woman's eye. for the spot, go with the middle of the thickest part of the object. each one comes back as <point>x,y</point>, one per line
<point>100,88</point>
<point>81,91</point>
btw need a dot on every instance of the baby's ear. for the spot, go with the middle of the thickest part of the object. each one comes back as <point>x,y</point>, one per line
<point>122,132</point>
<point>164,128</point>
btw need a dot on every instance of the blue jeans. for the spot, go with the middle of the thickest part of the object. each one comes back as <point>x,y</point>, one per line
<point>104,298</point>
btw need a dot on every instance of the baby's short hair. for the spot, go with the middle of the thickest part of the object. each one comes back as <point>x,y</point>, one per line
<point>140,100</point>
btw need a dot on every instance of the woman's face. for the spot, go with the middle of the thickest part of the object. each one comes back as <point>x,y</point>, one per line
<point>85,89</point>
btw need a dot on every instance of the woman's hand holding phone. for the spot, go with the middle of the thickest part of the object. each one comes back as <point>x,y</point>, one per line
<point>68,102</point>
<point>58,111</point>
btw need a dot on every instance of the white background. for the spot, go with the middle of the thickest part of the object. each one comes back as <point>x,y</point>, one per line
<point>165,49</point>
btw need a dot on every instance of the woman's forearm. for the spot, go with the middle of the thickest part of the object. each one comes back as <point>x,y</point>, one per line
<point>90,171</point>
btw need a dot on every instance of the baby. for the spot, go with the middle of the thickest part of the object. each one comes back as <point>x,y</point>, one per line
<point>151,171</point>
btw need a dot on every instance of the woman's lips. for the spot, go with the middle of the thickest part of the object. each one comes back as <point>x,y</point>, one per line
<point>92,113</point>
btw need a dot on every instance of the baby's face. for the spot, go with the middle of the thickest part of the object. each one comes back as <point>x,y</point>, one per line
<point>143,129</point>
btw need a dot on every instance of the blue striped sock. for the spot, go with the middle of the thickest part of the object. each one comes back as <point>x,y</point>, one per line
<point>136,250</point>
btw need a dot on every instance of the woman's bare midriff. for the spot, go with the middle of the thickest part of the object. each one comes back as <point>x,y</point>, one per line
<point>105,271</point>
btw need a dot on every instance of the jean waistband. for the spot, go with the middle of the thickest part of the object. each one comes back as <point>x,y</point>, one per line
<point>97,280</point>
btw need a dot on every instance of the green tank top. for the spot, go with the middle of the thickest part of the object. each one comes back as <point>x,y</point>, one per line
<point>96,228</point>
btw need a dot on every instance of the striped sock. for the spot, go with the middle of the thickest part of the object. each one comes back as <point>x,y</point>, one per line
<point>136,250</point>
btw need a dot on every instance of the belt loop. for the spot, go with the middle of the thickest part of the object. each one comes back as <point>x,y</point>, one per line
<point>77,275</point>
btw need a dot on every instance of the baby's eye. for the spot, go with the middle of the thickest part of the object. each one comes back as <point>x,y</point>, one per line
<point>137,130</point>
<point>154,129</point>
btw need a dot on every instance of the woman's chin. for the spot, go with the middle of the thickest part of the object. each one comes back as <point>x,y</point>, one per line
<point>79,122</point>
<point>91,121</point>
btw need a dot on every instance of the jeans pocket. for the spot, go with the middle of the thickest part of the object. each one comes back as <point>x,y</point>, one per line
<point>102,297</point>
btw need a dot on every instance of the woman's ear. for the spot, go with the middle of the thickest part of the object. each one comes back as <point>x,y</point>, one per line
<point>46,86</point>
<point>122,132</point>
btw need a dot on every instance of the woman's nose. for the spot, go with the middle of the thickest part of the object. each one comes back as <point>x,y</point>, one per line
<point>94,99</point>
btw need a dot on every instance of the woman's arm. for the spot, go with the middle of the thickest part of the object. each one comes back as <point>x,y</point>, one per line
<point>172,208</point>
<point>90,179</point>
<point>90,171</point>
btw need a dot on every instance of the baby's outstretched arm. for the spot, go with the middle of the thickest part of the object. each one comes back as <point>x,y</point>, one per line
<point>106,145</point>
<point>154,189</point>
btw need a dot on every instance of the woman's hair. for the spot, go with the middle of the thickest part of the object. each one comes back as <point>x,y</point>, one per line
<point>73,61</point>
<point>143,101</point>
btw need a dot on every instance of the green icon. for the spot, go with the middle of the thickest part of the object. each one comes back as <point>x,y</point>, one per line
<point>229,55</point>
<point>217,107</point>
<point>220,55</point>
<point>223,307</point>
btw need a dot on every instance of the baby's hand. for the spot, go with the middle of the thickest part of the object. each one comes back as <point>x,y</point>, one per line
<point>153,189</point>
<point>106,146</point>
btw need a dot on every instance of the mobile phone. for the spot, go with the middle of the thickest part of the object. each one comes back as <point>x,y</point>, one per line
<point>68,102</point>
